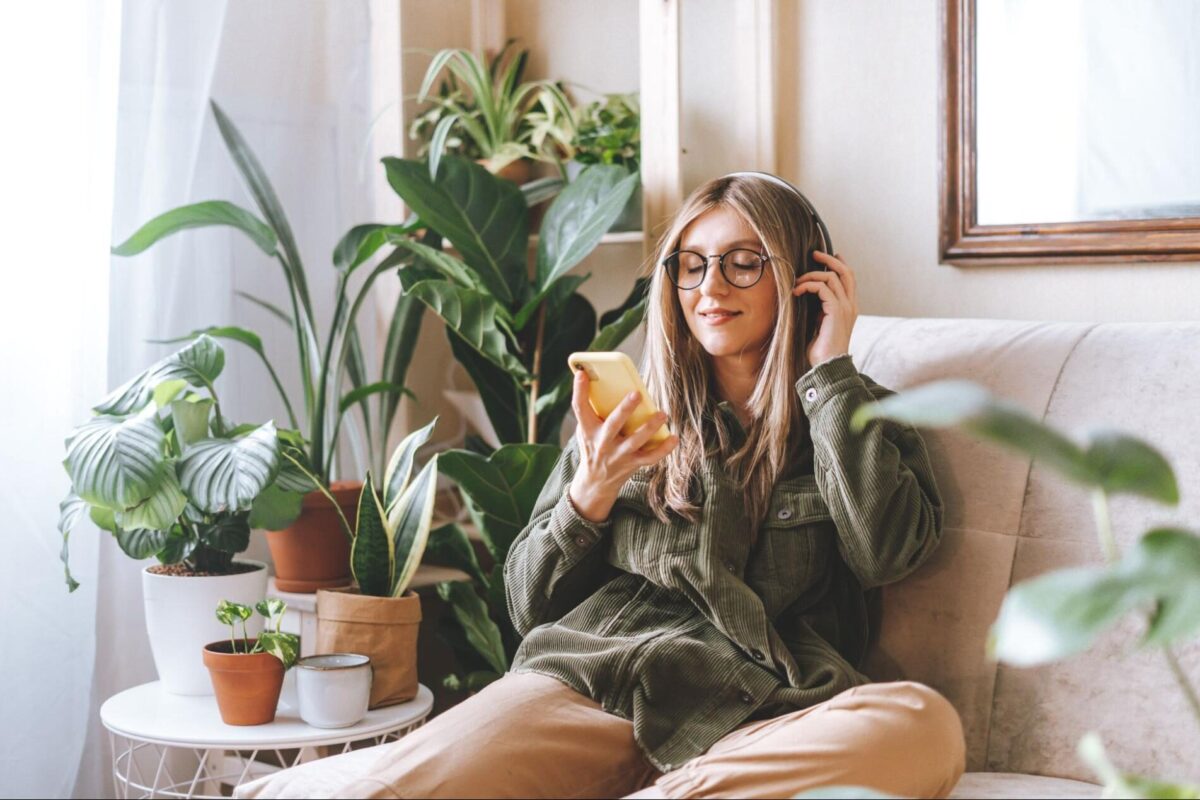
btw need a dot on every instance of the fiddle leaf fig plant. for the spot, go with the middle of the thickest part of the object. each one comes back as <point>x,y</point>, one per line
<point>284,646</point>
<point>163,470</point>
<point>1063,612</point>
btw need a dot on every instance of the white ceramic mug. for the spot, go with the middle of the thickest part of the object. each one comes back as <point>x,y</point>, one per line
<point>333,689</point>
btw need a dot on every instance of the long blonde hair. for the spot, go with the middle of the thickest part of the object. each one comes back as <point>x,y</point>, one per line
<point>678,372</point>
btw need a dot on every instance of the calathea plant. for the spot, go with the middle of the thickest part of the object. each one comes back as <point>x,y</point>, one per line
<point>169,475</point>
<point>1063,612</point>
<point>511,324</point>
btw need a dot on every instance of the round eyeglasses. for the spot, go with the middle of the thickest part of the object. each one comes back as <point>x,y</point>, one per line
<point>741,267</point>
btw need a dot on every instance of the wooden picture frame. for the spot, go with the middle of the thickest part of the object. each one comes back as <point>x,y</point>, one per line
<point>963,242</point>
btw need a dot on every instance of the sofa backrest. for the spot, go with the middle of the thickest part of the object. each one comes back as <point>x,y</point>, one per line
<point>1007,520</point>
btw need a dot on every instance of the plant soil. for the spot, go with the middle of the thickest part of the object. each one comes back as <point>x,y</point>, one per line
<point>182,570</point>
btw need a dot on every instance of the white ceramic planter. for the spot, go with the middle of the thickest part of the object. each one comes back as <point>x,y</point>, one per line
<point>181,619</point>
<point>334,689</point>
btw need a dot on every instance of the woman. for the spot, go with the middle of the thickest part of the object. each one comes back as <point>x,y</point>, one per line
<point>693,613</point>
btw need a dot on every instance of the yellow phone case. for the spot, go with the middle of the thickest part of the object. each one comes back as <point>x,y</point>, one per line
<point>612,376</point>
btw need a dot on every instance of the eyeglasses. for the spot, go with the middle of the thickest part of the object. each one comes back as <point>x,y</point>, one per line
<point>742,268</point>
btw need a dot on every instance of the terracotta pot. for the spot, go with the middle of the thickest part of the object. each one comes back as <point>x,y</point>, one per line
<point>382,628</point>
<point>314,552</point>
<point>517,171</point>
<point>247,686</point>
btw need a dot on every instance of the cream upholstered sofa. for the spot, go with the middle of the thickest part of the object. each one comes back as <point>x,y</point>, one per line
<point>1007,520</point>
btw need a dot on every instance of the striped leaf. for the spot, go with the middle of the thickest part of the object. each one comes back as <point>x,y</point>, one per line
<point>371,551</point>
<point>141,543</point>
<point>116,461</point>
<point>399,468</point>
<point>227,474</point>
<point>70,511</point>
<point>158,511</point>
<point>199,364</point>
<point>409,521</point>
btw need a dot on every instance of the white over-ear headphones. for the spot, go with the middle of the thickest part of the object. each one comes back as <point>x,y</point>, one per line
<point>826,239</point>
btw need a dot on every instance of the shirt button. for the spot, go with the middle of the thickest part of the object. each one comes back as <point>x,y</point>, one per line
<point>758,656</point>
<point>581,540</point>
<point>729,566</point>
<point>811,394</point>
<point>745,697</point>
<point>784,513</point>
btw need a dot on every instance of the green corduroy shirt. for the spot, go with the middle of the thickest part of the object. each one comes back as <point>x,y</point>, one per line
<point>685,629</point>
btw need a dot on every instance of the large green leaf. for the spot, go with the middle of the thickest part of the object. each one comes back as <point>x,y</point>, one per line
<point>571,329</point>
<point>363,241</point>
<point>116,461</point>
<point>409,521</point>
<point>968,405</point>
<point>449,546</point>
<point>275,508</point>
<point>229,533</point>
<point>554,297</point>
<point>501,489</point>
<point>199,364</point>
<point>399,468</point>
<point>141,544</point>
<point>503,397</point>
<point>227,474</point>
<point>581,214</point>
<point>191,420</point>
<point>372,553</point>
<point>1123,464</point>
<point>199,215</point>
<point>1061,613</point>
<point>445,264</point>
<point>472,615</point>
<point>472,315</point>
<point>483,216</point>
<point>612,333</point>
<point>160,509</point>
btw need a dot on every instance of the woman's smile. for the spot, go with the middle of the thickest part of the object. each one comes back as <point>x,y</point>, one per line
<point>717,316</point>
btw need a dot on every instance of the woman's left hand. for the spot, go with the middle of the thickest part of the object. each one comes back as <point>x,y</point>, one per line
<point>839,307</point>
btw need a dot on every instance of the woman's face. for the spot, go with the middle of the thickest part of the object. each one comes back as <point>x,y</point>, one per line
<point>726,319</point>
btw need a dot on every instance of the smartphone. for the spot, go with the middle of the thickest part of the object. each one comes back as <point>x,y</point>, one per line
<point>611,377</point>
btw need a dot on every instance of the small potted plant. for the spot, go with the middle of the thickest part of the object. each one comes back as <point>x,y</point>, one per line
<point>380,617</point>
<point>247,674</point>
<point>162,469</point>
<point>485,109</point>
<point>608,131</point>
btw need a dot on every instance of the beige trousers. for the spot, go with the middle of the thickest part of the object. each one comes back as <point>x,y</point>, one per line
<point>530,735</point>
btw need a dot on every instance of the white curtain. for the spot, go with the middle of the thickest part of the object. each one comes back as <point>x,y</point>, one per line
<point>58,81</point>
<point>295,77</point>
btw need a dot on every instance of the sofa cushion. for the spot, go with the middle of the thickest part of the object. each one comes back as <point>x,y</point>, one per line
<point>986,785</point>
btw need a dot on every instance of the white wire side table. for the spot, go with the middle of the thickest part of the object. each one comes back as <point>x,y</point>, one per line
<point>167,745</point>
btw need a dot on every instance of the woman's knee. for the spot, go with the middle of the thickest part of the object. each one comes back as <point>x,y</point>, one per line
<point>926,718</point>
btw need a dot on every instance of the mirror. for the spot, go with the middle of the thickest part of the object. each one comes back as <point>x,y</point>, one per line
<point>1070,131</point>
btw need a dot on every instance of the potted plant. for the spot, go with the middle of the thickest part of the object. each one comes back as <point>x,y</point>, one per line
<point>313,552</point>
<point>1062,612</point>
<point>608,131</point>
<point>482,111</point>
<point>512,334</point>
<point>247,674</point>
<point>164,470</point>
<point>380,617</point>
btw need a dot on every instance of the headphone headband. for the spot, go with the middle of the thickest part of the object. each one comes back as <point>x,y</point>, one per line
<point>826,239</point>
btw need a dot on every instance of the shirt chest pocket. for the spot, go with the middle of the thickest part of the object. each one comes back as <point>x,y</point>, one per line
<point>797,541</point>
<point>639,539</point>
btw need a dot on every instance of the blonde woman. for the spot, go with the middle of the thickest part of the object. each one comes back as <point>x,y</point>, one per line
<point>694,614</point>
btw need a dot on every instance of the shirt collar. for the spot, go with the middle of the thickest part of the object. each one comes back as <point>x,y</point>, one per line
<point>726,409</point>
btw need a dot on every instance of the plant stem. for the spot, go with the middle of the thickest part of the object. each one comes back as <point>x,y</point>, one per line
<point>1108,544</point>
<point>1182,679</point>
<point>321,488</point>
<point>537,372</point>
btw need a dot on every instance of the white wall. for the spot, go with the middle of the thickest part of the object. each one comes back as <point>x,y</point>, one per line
<point>858,132</point>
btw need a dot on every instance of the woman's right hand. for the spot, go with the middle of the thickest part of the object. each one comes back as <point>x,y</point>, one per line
<point>607,457</point>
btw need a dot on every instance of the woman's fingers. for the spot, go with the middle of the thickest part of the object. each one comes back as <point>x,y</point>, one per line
<point>837,265</point>
<point>589,422</point>
<point>831,280</point>
<point>610,429</point>
<point>644,458</point>
<point>818,288</point>
<point>636,440</point>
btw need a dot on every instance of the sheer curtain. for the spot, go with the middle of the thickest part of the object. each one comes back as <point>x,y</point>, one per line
<point>58,81</point>
<point>111,126</point>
